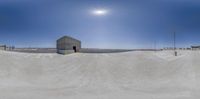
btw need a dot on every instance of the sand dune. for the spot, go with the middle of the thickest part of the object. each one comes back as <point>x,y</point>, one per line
<point>128,75</point>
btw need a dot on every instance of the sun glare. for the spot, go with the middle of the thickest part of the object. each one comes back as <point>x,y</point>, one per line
<point>100,12</point>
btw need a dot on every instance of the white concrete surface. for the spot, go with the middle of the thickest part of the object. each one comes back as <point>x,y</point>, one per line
<point>129,75</point>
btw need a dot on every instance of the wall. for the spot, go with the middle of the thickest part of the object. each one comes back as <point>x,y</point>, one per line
<point>67,43</point>
<point>2,47</point>
<point>195,48</point>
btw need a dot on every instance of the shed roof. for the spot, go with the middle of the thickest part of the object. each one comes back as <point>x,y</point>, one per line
<point>68,37</point>
<point>195,46</point>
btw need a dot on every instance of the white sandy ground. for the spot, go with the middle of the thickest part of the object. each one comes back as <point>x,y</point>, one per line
<point>129,75</point>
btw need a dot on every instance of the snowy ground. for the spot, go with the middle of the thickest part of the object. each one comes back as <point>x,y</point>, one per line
<point>128,75</point>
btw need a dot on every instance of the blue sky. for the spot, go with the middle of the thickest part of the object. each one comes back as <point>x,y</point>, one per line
<point>127,23</point>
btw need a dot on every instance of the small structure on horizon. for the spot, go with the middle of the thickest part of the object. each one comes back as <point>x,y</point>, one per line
<point>7,48</point>
<point>195,47</point>
<point>66,45</point>
<point>2,47</point>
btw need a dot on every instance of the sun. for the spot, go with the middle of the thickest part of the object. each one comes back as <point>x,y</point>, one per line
<point>99,12</point>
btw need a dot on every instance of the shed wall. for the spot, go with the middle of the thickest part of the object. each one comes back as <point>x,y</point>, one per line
<point>67,43</point>
<point>2,47</point>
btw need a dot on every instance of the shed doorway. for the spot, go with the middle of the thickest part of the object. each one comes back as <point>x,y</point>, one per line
<point>74,48</point>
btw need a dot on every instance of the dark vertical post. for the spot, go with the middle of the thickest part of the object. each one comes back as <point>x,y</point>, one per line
<point>175,53</point>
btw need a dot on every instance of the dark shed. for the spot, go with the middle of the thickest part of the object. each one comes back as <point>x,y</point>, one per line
<point>195,47</point>
<point>2,47</point>
<point>67,45</point>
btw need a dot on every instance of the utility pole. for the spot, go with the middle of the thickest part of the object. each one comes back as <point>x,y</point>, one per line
<point>175,52</point>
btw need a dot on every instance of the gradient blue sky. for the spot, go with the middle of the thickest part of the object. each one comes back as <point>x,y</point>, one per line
<point>128,23</point>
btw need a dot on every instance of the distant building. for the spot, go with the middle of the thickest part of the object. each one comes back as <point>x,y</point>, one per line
<point>195,47</point>
<point>2,47</point>
<point>67,45</point>
<point>168,48</point>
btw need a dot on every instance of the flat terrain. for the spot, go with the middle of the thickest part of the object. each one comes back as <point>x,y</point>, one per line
<point>128,75</point>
